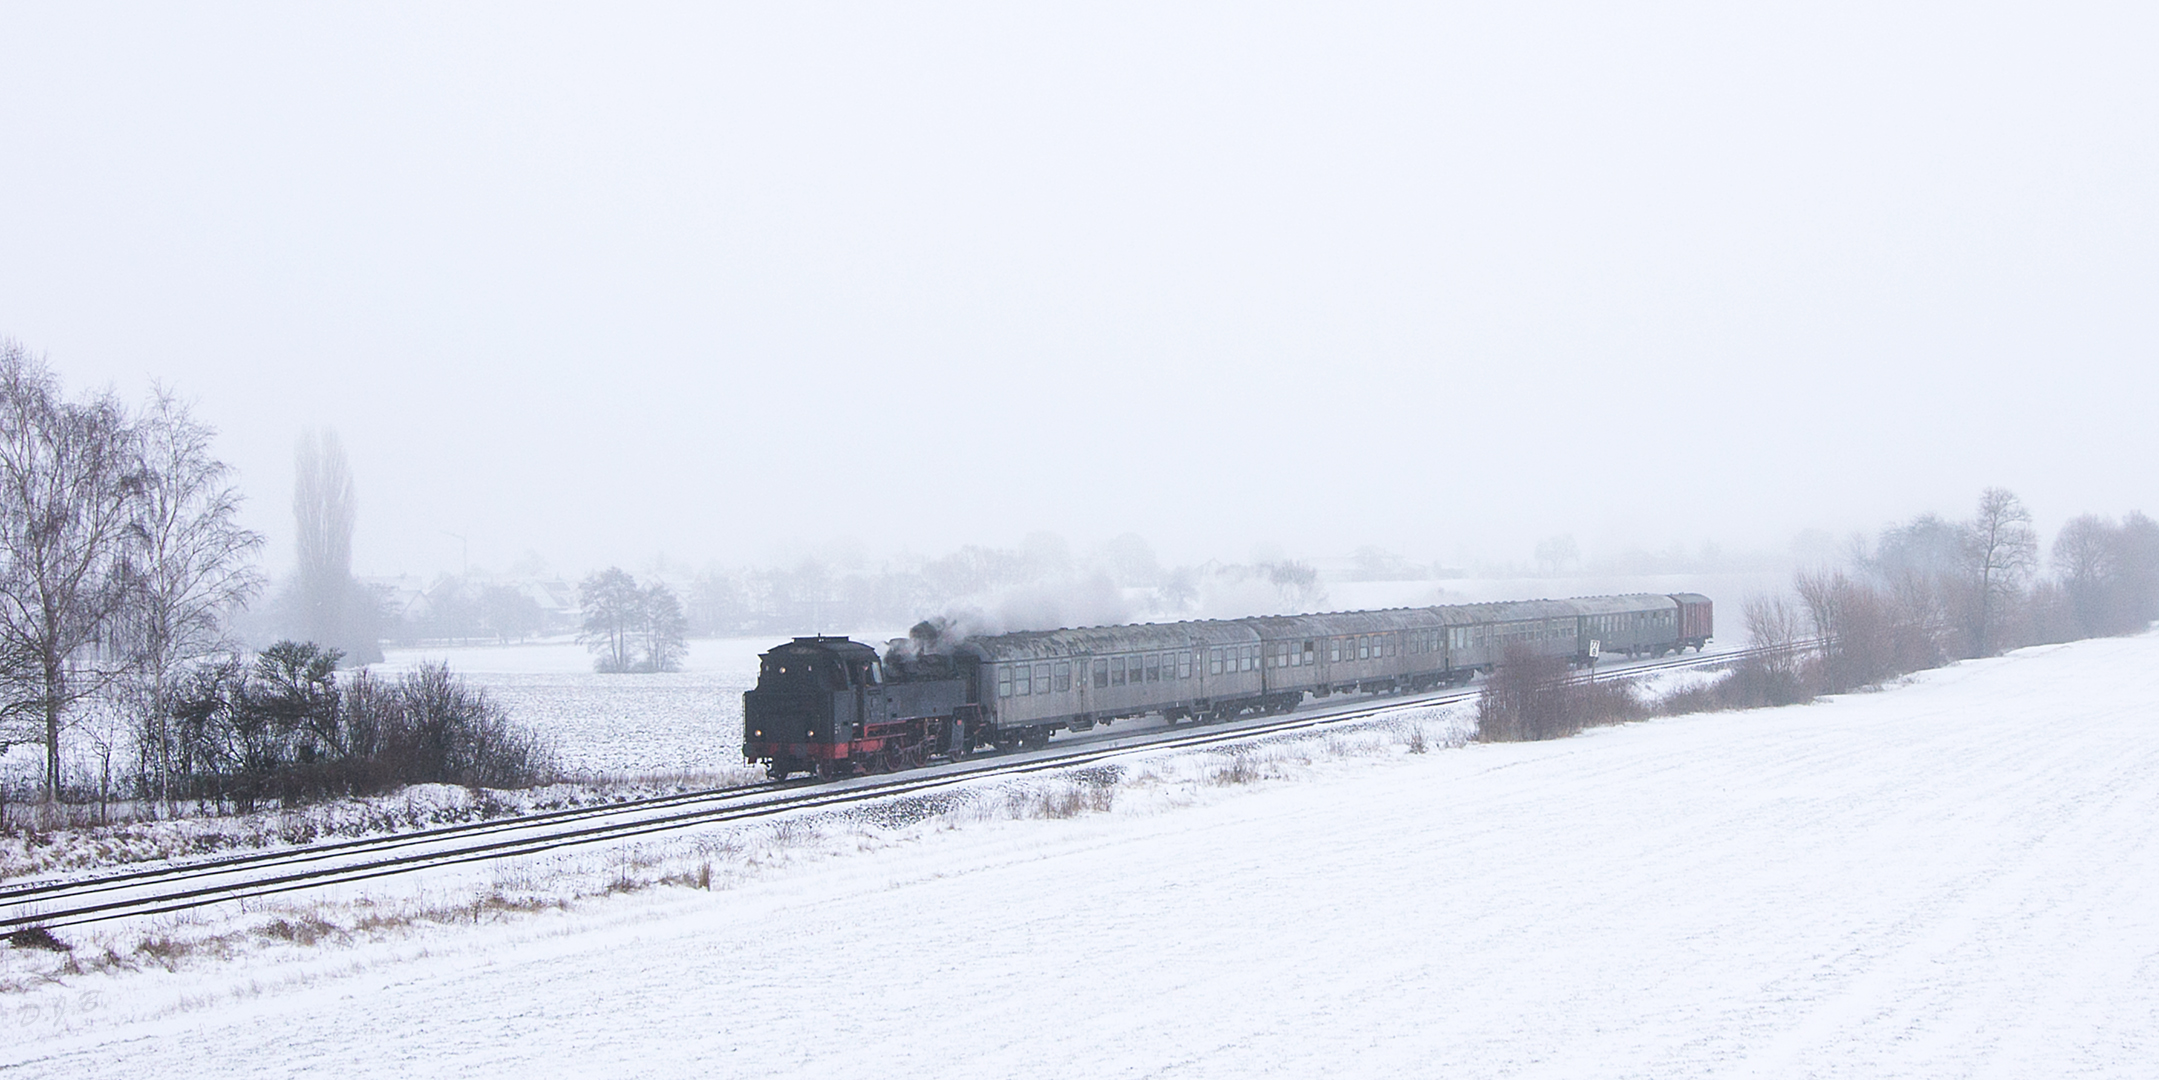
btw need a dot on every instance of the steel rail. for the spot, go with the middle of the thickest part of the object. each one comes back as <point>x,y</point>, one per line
<point>226,863</point>
<point>1079,754</point>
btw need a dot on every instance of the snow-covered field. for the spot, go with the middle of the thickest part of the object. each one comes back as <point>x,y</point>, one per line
<point>1952,878</point>
<point>689,721</point>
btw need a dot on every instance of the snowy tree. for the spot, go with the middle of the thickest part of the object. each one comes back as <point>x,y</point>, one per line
<point>613,616</point>
<point>190,563</point>
<point>509,614</point>
<point>70,485</point>
<point>2000,552</point>
<point>662,625</point>
<point>329,607</point>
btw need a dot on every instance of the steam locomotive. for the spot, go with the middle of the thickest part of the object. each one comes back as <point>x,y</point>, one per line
<point>836,707</point>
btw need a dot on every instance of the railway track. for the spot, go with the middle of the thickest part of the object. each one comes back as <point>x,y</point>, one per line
<point>187,886</point>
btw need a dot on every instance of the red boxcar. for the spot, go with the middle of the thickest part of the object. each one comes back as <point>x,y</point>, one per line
<point>1697,620</point>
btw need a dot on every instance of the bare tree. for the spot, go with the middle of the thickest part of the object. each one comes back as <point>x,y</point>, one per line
<point>69,488</point>
<point>332,608</point>
<point>1557,553</point>
<point>2136,571</point>
<point>2000,551</point>
<point>1774,622</point>
<point>2083,554</point>
<point>613,610</point>
<point>1853,628</point>
<point>1822,593</point>
<point>663,626</point>
<point>190,565</point>
<point>509,614</point>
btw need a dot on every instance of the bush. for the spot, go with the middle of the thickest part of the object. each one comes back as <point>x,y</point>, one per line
<point>283,730</point>
<point>1531,697</point>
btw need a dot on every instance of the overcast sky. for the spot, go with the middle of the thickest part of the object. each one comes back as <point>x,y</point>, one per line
<point>730,281</point>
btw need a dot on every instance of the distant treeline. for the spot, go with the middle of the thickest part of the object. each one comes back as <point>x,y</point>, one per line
<point>1918,596</point>
<point>1041,581</point>
<point>1934,590</point>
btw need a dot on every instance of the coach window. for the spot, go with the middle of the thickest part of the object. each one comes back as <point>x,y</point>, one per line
<point>1364,648</point>
<point>1004,681</point>
<point>1022,681</point>
<point>1184,665</point>
<point>1042,678</point>
<point>1214,661</point>
<point>1116,671</point>
<point>1064,677</point>
<point>1101,674</point>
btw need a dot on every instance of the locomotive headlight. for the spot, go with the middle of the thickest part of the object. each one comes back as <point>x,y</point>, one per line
<point>759,734</point>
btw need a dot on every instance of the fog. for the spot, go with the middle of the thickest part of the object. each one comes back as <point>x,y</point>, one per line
<point>1251,281</point>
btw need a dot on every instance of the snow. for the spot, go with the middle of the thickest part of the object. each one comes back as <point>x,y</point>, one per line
<point>689,721</point>
<point>1951,878</point>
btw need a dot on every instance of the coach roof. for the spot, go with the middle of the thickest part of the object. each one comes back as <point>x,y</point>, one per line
<point>1107,640</point>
